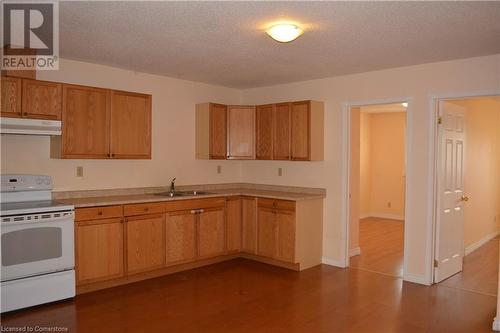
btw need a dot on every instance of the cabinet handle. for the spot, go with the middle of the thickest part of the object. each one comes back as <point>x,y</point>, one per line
<point>146,209</point>
<point>200,211</point>
<point>193,211</point>
<point>99,213</point>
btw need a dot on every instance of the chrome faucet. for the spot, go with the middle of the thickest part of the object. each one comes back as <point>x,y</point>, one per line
<point>172,185</point>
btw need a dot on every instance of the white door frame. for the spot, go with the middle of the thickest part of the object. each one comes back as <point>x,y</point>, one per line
<point>346,158</point>
<point>433,159</point>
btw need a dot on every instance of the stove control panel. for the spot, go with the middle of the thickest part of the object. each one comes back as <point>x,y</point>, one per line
<point>17,183</point>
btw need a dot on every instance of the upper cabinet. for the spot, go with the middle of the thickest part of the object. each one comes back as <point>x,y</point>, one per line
<point>241,132</point>
<point>130,125</point>
<point>86,121</point>
<point>284,131</point>
<point>31,99</point>
<point>101,123</point>
<point>41,99</point>
<point>211,127</point>
<point>11,96</point>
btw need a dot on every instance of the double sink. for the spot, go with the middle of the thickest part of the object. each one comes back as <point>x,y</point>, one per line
<point>183,194</point>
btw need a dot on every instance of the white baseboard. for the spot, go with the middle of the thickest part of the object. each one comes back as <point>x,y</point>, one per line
<point>496,324</point>
<point>355,252</point>
<point>420,279</point>
<point>383,216</point>
<point>474,246</point>
<point>333,262</point>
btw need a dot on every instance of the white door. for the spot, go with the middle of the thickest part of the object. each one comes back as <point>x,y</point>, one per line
<point>451,197</point>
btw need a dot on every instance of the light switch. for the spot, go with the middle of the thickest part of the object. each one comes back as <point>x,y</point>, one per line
<point>219,169</point>
<point>79,171</point>
<point>280,172</point>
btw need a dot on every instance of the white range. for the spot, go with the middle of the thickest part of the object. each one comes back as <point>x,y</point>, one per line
<point>37,243</point>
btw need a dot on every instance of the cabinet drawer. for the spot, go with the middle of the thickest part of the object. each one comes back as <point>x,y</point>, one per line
<point>94,213</point>
<point>178,205</point>
<point>276,204</point>
<point>145,208</point>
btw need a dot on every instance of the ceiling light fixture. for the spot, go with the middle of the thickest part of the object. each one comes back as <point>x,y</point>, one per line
<point>405,105</point>
<point>284,32</point>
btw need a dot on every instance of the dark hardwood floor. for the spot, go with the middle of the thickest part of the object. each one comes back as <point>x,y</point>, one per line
<point>246,296</point>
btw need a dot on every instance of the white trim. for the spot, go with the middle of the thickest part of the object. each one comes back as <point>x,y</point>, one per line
<point>332,262</point>
<point>420,279</point>
<point>387,216</point>
<point>496,324</point>
<point>476,245</point>
<point>346,126</point>
<point>432,180</point>
<point>355,252</point>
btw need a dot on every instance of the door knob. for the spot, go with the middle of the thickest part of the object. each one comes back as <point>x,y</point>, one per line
<point>464,198</point>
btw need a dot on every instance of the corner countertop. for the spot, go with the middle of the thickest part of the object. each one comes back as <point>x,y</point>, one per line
<point>121,197</point>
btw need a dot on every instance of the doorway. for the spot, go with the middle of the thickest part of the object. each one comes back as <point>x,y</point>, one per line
<point>377,186</point>
<point>467,193</point>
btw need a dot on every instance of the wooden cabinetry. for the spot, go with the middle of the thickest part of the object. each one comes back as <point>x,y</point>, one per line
<point>283,131</point>
<point>264,131</point>
<point>145,242</point>
<point>86,120</point>
<point>307,131</point>
<point>98,244</point>
<point>11,97</point>
<point>233,224</point>
<point>249,224</point>
<point>267,239</point>
<point>181,237</point>
<point>211,232</point>
<point>100,123</point>
<point>241,132</point>
<point>211,131</point>
<point>130,125</point>
<point>42,99</point>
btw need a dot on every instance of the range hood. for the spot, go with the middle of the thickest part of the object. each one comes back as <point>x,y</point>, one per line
<point>29,126</point>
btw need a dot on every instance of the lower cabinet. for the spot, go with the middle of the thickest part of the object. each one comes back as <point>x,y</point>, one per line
<point>145,242</point>
<point>211,233</point>
<point>249,225</point>
<point>267,237</point>
<point>233,224</point>
<point>180,230</point>
<point>99,250</point>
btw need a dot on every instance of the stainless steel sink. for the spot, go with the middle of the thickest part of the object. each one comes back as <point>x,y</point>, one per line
<point>183,193</point>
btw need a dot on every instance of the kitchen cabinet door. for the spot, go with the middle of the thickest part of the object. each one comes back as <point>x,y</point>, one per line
<point>241,132</point>
<point>286,235</point>
<point>181,237</point>
<point>249,224</point>
<point>145,239</point>
<point>86,122</point>
<point>281,146</point>
<point>267,239</point>
<point>300,131</point>
<point>99,250</point>
<point>264,131</point>
<point>217,131</point>
<point>130,125</point>
<point>41,99</point>
<point>11,97</point>
<point>233,222</point>
<point>211,233</point>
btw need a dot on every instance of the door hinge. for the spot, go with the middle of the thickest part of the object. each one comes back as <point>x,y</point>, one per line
<point>436,263</point>
<point>440,120</point>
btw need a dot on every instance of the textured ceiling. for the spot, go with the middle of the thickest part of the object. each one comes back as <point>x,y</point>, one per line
<point>224,42</point>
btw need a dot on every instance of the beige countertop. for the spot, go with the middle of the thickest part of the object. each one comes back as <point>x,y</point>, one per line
<point>106,200</point>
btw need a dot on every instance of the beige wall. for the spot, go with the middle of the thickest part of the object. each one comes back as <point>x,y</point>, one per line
<point>417,83</point>
<point>387,165</point>
<point>173,135</point>
<point>481,169</point>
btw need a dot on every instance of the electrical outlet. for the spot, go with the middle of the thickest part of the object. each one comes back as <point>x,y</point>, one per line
<point>219,169</point>
<point>79,171</point>
<point>389,204</point>
<point>280,172</point>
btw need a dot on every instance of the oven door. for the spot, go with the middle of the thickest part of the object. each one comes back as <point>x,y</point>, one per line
<point>36,244</point>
